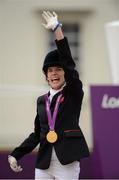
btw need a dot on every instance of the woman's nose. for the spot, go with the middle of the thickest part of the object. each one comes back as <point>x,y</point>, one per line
<point>54,72</point>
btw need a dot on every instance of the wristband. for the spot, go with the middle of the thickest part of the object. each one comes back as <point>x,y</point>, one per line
<point>58,25</point>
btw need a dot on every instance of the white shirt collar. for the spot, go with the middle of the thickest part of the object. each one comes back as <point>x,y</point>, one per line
<point>54,91</point>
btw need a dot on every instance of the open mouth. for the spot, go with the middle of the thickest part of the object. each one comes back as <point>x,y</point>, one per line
<point>55,80</point>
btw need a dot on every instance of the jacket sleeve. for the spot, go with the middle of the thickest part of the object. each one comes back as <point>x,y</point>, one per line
<point>71,75</point>
<point>29,143</point>
<point>74,87</point>
<point>67,61</point>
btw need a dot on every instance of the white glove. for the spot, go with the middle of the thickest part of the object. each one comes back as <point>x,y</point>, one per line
<point>51,20</point>
<point>13,164</point>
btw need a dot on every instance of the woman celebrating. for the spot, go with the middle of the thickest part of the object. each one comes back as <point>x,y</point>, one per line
<point>57,130</point>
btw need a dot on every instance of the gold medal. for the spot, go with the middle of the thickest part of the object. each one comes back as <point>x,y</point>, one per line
<point>52,136</point>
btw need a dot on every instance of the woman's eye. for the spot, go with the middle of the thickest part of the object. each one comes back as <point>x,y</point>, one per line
<point>59,69</point>
<point>49,70</point>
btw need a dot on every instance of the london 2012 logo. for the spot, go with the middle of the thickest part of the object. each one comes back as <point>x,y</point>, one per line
<point>109,102</point>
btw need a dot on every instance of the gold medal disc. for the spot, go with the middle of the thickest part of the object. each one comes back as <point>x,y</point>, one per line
<point>52,136</point>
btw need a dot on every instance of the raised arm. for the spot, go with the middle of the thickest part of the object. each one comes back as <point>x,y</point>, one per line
<point>65,56</point>
<point>53,24</point>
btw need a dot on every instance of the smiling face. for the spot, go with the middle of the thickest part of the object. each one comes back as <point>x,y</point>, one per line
<point>55,77</point>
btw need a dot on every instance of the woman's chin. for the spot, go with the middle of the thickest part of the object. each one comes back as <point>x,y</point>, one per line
<point>56,87</point>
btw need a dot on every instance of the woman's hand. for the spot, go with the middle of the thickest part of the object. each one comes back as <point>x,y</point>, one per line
<point>13,164</point>
<point>51,20</point>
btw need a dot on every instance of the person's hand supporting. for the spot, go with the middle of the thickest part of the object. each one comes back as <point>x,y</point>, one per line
<point>51,20</point>
<point>13,164</point>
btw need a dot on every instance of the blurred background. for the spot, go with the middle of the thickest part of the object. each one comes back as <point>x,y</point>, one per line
<point>23,46</point>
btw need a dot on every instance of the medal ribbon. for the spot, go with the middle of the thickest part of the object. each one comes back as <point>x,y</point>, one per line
<point>52,119</point>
